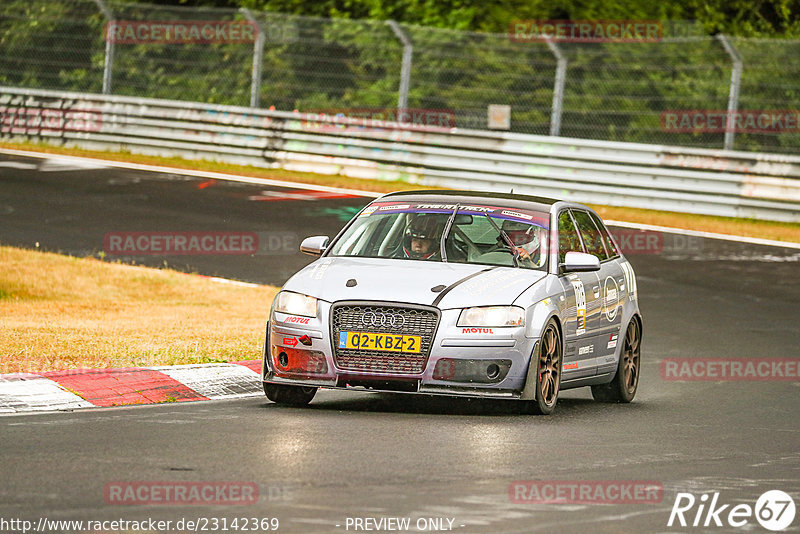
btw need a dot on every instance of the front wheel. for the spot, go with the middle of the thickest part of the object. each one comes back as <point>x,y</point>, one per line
<point>548,372</point>
<point>626,381</point>
<point>293,395</point>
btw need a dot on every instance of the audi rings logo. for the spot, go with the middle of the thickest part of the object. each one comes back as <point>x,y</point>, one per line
<point>385,320</point>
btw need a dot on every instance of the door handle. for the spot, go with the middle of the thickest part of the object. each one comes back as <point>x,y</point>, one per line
<point>596,290</point>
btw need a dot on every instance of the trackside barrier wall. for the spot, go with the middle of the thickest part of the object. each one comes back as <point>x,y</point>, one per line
<point>712,182</point>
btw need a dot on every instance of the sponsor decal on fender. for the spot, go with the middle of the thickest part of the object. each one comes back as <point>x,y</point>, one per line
<point>612,341</point>
<point>580,307</point>
<point>611,289</point>
<point>477,331</point>
<point>299,320</point>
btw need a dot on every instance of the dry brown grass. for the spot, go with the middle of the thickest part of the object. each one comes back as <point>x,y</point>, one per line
<point>60,312</point>
<point>705,223</point>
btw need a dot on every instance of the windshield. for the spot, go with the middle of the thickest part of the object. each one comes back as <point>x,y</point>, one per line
<point>483,235</point>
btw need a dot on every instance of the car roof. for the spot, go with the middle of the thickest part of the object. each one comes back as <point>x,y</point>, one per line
<point>476,197</point>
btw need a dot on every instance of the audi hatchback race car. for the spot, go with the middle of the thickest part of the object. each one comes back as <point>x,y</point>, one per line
<point>459,293</point>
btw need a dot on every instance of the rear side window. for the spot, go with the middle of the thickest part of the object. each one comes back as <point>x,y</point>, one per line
<point>568,240</point>
<point>592,239</point>
<point>612,250</point>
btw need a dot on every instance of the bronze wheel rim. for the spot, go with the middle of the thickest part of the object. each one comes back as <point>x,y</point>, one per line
<point>631,352</point>
<point>550,366</point>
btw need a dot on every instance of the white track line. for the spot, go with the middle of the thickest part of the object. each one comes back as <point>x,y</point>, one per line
<point>371,194</point>
<point>708,235</point>
<point>189,172</point>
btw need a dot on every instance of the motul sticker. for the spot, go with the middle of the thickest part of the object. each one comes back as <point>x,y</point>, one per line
<point>477,331</point>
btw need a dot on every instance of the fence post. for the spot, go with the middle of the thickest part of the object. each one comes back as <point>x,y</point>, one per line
<point>258,60</point>
<point>405,69</point>
<point>108,62</point>
<point>733,96</point>
<point>558,89</point>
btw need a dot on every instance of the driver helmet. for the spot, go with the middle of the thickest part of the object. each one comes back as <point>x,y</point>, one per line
<point>427,230</point>
<point>523,235</point>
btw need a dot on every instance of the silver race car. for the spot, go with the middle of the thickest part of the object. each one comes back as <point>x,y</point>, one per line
<point>459,293</point>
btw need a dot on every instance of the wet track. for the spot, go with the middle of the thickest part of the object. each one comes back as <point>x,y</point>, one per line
<point>369,455</point>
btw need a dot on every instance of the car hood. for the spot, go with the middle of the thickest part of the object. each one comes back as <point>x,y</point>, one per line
<point>411,282</point>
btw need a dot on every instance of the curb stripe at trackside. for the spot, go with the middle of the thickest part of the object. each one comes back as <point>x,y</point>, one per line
<point>357,192</point>
<point>115,387</point>
<point>89,388</point>
<point>215,381</point>
<point>29,392</point>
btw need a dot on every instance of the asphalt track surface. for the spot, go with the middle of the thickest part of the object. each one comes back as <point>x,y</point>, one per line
<point>360,455</point>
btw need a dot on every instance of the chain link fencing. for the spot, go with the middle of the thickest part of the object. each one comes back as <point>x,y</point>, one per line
<point>665,92</point>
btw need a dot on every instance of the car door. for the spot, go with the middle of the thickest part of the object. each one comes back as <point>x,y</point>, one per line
<point>607,288</point>
<point>613,293</point>
<point>579,356</point>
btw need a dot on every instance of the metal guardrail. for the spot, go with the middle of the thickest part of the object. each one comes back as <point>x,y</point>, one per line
<point>713,182</point>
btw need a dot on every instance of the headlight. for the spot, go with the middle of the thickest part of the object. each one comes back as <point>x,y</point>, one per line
<point>494,316</point>
<point>295,304</point>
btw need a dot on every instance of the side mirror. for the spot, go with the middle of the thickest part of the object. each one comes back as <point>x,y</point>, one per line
<point>580,262</point>
<point>315,245</point>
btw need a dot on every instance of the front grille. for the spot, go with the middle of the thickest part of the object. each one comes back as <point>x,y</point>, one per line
<point>416,320</point>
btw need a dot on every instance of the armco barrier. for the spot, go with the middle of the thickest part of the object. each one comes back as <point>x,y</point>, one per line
<point>713,182</point>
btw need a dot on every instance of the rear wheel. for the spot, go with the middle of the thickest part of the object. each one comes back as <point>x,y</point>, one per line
<point>548,372</point>
<point>626,381</point>
<point>294,395</point>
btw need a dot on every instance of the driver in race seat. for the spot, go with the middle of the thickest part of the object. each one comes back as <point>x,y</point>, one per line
<point>422,238</point>
<point>525,238</point>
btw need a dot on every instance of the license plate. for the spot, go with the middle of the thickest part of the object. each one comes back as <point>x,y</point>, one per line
<point>386,342</point>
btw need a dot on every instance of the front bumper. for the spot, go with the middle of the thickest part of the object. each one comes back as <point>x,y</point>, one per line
<point>472,362</point>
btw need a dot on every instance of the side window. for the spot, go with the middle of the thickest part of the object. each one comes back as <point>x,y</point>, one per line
<point>592,239</point>
<point>568,240</point>
<point>612,250</point>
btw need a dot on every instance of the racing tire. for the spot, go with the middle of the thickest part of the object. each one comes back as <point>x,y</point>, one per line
<point>626,380</point>
<point>292,395</point>
<point>548,372</point>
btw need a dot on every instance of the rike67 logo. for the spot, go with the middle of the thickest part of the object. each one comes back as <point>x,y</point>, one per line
<point>774,510</point>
